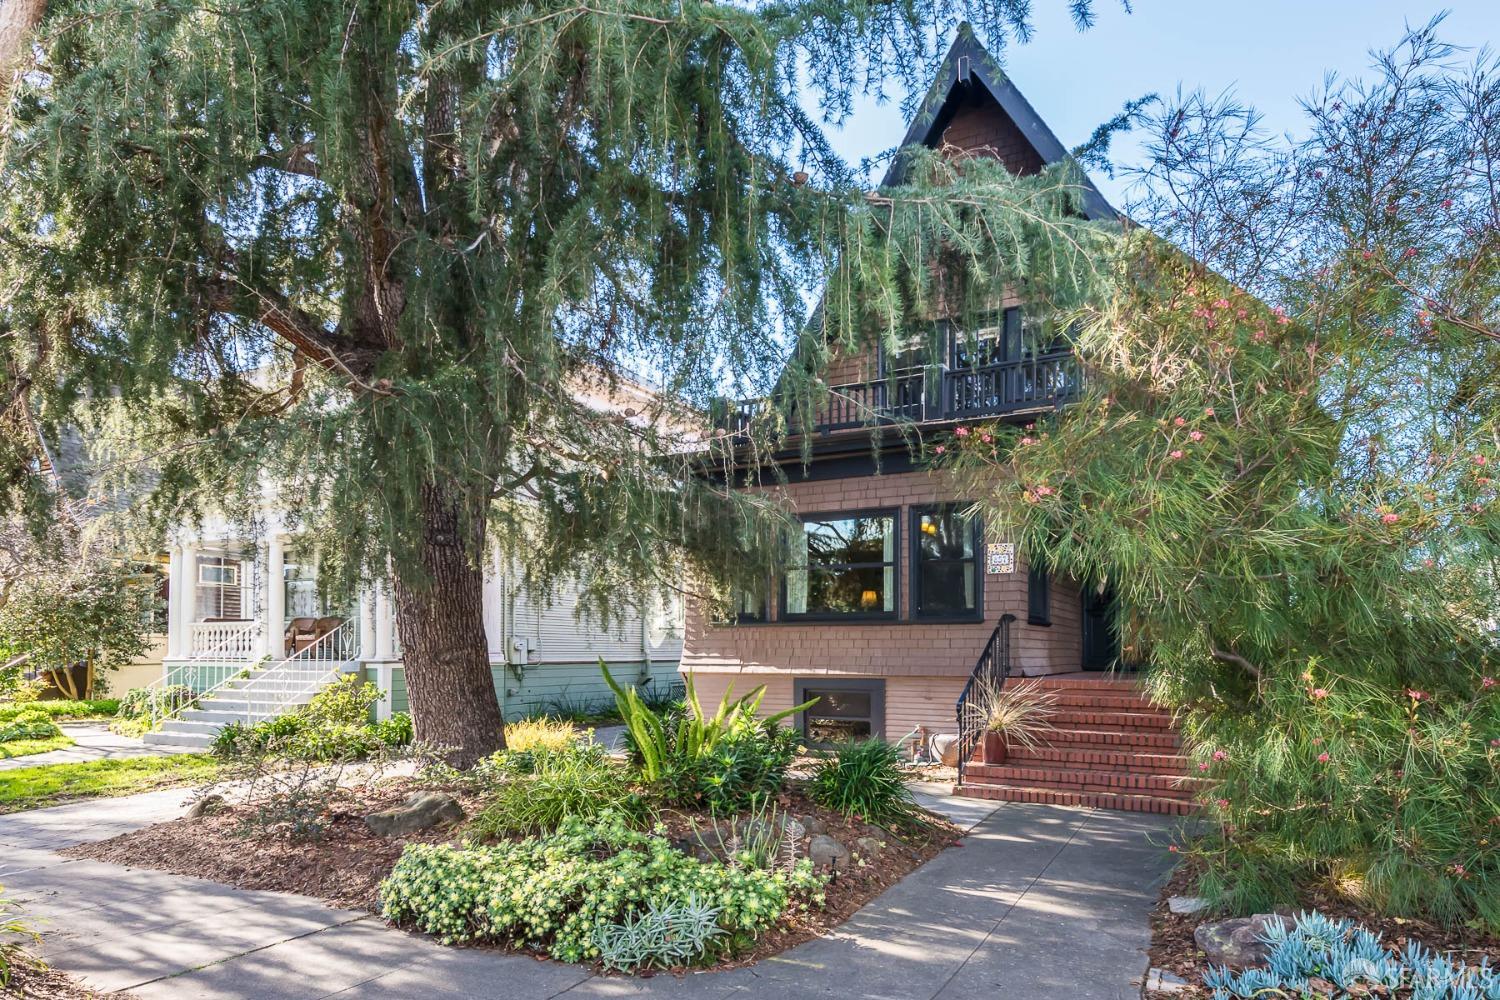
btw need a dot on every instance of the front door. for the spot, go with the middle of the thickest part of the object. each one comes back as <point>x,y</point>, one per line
<point>1101,633</point>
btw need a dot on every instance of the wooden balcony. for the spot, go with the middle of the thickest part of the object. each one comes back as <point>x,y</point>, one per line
<point>1030,384</point>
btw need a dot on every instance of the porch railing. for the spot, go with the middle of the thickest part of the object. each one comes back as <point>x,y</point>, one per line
<point>224,640</point>
<point>299,676</point>
<point>1032,383</point>
<point>990,673</point>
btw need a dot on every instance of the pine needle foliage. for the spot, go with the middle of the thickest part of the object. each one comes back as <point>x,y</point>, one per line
<point>1284,468</point>
<point>387,258</point>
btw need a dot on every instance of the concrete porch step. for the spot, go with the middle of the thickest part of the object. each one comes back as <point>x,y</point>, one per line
<point>1172,786</point>
<point>1095,800</point>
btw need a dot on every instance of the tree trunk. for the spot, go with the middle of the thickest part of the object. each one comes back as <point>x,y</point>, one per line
<point>18,19</point>
<point>440,615</point>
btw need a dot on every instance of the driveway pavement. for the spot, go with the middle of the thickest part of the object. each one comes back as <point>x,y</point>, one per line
<point>92,741</point>
<point>1039,902</point>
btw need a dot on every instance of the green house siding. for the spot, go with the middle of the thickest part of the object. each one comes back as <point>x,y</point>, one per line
<point>202,676</point>
<point>554,687</point>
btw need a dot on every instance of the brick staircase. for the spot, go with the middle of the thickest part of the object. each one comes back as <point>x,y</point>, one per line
<point>1112,750</point>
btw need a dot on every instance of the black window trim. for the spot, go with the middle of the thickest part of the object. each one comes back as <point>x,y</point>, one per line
<point>874,686</point>
<point>914,547</point>
<point>1038,594</point>
<point>894,513</point>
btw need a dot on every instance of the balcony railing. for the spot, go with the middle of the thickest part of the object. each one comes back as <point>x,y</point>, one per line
<point>224,641</point>
<point>1045,380</point>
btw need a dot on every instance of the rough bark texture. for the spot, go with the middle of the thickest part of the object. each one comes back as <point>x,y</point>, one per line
<point>18,19</point>
<point>441,621</point>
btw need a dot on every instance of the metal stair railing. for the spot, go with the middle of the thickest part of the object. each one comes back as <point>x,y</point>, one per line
<point>990,673</point>
<point>299,676</point>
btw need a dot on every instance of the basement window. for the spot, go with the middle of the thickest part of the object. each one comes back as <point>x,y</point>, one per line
<point>846,710</point>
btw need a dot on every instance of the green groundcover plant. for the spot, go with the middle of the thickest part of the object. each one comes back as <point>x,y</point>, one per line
<point>63,709</point>
<point>536,790</point>
<point>559,892</point>
<point>29,726</point>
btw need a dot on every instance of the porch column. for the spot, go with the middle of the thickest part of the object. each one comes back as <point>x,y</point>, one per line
<point>385,624</point>
<point>275,644</point>
<point>367,622</point>
<point>188,601</point>
<point>176,588</point>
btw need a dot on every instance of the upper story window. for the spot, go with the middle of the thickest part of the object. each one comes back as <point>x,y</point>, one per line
<point>945,571</point>
<point>842,566</point>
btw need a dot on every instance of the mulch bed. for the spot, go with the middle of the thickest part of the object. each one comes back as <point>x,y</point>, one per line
<point>1173,948</point>
<point>31,980</point>
<point>347,863</point>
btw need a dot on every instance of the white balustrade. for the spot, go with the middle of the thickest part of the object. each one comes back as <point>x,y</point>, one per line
<point>225,641</point>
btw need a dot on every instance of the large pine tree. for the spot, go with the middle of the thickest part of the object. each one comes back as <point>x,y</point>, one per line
<point>374,252</point>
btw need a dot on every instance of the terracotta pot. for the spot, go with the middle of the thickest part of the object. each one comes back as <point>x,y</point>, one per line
<point>994,747</point>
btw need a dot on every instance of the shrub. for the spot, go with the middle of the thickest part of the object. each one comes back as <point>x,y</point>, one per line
<point>542,732</point>
<point>303,737</point>
<point>140,702</point>
<point>535,791</point>
<point>63,709</point>
<point>1386,795</point>
<point>1355,961</point>
<point>16,688</point>
<point>29,726</point>
<point>865,779</point>
<point>746,768</point>
<point>580,884</point>
<point>345,702</point>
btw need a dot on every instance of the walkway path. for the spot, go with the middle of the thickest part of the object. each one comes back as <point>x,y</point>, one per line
<point>92,741</point>
<point>1039,902</point>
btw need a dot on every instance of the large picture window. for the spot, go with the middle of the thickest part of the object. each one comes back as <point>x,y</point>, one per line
<point>842,566</point>
<point>945,570</point>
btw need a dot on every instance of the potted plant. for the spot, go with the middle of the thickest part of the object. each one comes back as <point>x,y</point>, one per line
<point>1018,715</point>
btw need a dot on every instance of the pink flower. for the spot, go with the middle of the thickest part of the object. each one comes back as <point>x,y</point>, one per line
<point>1319,694</point>
<point>1480,460</point>
<point>1429,562</point>
<point>1447,202</point>
<point>1172,848</point>
<point>1179,422</point>
<point>1323,758</point>
<point>1222,803</point>
<point>1221,303</point>
<point>1495,743</point>
<point>1208,411</point>
<point>1410,252</point>
<point>1458,870</point>
<point>1367,255</point>
<point>1389,518</point>
<point>1044,491</point>
<point>1259,335</point>
<point>1281,316</point>
<point>1174,456</point>
<point>1196,435</point>
<point>1203,766</point>
<point>1317,741</point>
<point>961,431</point>
<point>1416,695</point>
<point>940,450</point>
<point>1221,754</point>
<point>986,438</point>
<point>1487,682</point>
<point>1027,441</point>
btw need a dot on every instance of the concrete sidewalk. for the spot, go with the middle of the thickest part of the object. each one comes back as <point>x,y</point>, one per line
<point>1040,902</point>
<point>92,741</point>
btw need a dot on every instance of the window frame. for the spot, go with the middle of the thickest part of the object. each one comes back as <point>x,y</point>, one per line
<point>894,513</point>
<point>1038,594</point>
<point>873,686</point>
<point>915,558</point>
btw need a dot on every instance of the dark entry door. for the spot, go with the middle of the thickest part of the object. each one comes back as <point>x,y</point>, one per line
<point>1101,633</point>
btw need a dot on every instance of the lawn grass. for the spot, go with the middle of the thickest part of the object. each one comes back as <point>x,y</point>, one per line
<point>25,748</point>
<point>54,784</point>
<point>99,708</point>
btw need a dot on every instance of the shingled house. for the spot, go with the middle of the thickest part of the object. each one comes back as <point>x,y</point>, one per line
<point>891,601</point>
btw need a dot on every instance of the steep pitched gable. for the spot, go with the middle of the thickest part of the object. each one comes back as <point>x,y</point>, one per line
<point>973,105</point>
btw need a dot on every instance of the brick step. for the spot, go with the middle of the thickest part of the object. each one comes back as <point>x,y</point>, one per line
<point>1116,760</point>
<point>1118,701</point>
<point>1084,718</point>
<point>1113,739</point>
<point>1172,786</point>
<point>1096,682</point>
<point>1094,800</point>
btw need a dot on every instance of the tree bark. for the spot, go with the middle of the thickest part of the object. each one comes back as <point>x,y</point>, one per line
<point>440,617</point>
<point>18,19</point>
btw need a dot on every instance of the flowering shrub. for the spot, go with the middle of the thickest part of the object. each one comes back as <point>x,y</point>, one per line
<point>1391,796</point>
<point>559,893</point>
<point>1354,962</point>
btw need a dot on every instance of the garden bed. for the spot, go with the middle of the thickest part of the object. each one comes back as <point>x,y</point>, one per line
<point>33,980</point>
<point>1174,950</point>
<point>346,865</point>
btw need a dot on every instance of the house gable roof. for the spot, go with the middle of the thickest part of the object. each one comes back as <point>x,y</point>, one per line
<point>969,65</point>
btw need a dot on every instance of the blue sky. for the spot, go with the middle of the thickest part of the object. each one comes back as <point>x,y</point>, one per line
<point>1268,52</point>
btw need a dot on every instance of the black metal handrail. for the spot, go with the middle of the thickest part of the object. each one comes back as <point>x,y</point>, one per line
<point>991,671</point>
<point>1031,383</point>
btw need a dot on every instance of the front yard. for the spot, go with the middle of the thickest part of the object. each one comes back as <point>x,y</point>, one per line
<point>57,784</point>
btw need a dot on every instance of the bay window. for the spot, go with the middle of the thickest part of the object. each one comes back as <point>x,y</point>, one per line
<point>842,566</point>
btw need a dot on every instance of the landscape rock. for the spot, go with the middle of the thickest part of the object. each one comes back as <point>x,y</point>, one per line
<point>1186,905</point>
<point>869,846</point>
<point>1237,943</point>
<point>420,811</point>
<point>812,824</point>
<point>207,806</point>
<point>944,748</point>
<point>1162,981</point>
<point>827,852</point>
